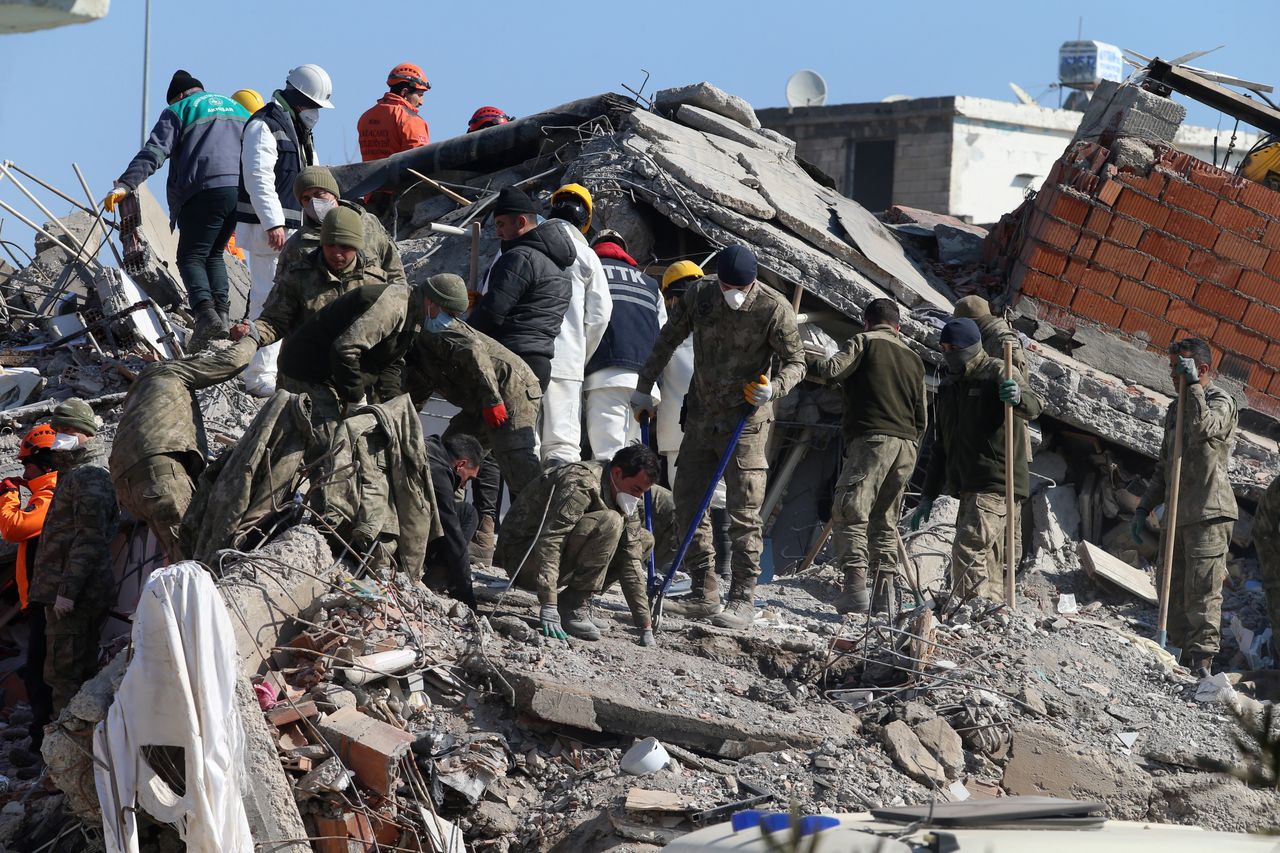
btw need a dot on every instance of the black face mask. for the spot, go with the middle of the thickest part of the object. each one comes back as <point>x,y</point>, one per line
<point>957,359</point>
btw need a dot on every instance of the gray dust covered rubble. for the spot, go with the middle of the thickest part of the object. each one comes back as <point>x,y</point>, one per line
<point>485,735</point>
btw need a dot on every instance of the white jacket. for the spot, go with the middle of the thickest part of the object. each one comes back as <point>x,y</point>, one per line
<point>258,153</point>
<point>587,317</point>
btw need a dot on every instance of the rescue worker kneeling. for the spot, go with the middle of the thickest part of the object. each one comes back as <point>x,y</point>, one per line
<point>593,535</point>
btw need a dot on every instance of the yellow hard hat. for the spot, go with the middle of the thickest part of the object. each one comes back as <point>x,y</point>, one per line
<point>580,192</point>
<point>249,99</point>
<point>681,270</point>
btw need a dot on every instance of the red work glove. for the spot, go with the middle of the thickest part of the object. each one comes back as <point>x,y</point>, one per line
<point>495,416</point>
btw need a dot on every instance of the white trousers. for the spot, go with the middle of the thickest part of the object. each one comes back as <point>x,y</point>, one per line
<point>562,421</point>
<point>252,237</point>
<point>611,425</point>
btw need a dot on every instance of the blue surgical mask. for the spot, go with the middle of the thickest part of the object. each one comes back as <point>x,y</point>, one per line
<point>439,323</point>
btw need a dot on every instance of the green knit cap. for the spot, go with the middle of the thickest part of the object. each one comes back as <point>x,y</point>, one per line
<point>76,414</point>
<point>448,291</point>
<point>342,227</point>
<point>312,177</point>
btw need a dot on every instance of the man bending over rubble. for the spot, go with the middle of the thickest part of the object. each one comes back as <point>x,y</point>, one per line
<point>739,326</point>
<point>352,351</point>
<point>155,460</point>
<point>454,460</point>
<point>74,581</point>
<point>1206,504</point>
<point>885,413</point>
<point>498,393</point>
<point>576,529</point>
<point>968,458</point>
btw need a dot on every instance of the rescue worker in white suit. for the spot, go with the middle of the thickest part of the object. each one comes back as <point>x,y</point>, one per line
<point>277,145</point>
<point>584,325</point>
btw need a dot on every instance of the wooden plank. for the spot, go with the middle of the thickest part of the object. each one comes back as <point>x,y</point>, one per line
<point>1100,564</point>
<point>646,800</point>
<point>1212,95</point>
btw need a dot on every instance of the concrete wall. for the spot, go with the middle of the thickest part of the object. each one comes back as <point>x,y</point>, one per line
<point>24,16</point>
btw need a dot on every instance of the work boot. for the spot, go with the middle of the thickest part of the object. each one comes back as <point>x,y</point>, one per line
<point>603,623</point>
<point>703,602</point>
<point>741,612</point>
<point>854,598</point>
<point>208,327</point>
<point>484,540</point>
<point>722,543</point>
<point>575,616</point>
<point>885,594</point>
<point>1200,664</point>
<point>224,317</point>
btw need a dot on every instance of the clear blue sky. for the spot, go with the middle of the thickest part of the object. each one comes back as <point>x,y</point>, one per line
<point>75,93</point>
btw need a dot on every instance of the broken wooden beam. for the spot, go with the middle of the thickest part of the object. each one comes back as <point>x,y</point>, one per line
<point>1100,564</point>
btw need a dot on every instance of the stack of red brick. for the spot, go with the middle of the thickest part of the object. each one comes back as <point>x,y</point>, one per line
<point>1187,249</point>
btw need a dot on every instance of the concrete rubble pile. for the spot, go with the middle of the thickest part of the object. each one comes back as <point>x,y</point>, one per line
<point>381,715</point>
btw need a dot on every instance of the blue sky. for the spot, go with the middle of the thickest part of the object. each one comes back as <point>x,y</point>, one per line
<point>75,93</point>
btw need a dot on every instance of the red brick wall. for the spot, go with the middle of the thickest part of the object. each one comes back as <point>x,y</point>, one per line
<point>1186,249</point>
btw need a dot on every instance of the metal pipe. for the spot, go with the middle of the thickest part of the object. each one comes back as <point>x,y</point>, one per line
<point>146,70</point>
<point>788,470</point>
<point>441,228</point>
<point>89,194</point>
<point>38,229</point>
<point>59,193</point>
<point>39,204</point>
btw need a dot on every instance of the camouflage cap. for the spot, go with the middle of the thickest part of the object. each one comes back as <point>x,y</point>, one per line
<point>76,414</point>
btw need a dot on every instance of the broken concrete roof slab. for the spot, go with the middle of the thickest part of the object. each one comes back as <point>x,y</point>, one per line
<point>714,123</point>
<point>708,97</point>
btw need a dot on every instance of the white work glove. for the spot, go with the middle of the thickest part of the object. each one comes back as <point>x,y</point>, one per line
<point>1187,367</point>
<point>643,403</point>
<point>759,392</point>
<point>62,606</point>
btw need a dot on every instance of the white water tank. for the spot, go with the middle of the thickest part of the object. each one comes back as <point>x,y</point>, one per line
<point>1085,64</point>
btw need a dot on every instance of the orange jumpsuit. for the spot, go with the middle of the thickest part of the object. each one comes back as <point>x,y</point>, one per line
<point>22,524</point>
<point>389,127</point>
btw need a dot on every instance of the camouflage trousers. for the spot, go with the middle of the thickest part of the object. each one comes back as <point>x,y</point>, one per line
<point>585,556</point>
<point>157,491</point>
<point>745,478</point>
<point>868,501</point>
<point>978,551</point>
<point>514,445</point>
<point>1195,587</point>
<point>71,657</point>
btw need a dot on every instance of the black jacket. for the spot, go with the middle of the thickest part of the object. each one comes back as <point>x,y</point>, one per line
<point>451,551</point>
<point>528,293</point>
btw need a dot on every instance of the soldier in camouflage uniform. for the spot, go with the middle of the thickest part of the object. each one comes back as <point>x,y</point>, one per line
<point>156,459</point>
<point>498,393</point>
<point>739,327</point>
<point>995,331</point>
<point>968,457</point>
<point>885,415</point>
<point>316,278</point>
<point>75,582</point>
<point>580,524</point>
<point>317,193</point>
<point>1206,504</point>
<point>1266,538</point>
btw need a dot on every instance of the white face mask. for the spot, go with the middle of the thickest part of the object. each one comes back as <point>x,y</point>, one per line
<point>627,503</point>
<point>318,208</point>
<point>308,118</point>
<point>64,441</point>
<point>735,297</point>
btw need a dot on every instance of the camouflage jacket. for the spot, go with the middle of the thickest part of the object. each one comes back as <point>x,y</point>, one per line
<point>567,493</point>
<point>1266,523</point>
<point>468,368</point>
<point>968,448</point>
<point>305,286</point>
<point>1208,436</point>
<point>730,349</point>
<point>995,331</point>
<point>161,413</point>
<point>75,544</point>
<point>378,246</point>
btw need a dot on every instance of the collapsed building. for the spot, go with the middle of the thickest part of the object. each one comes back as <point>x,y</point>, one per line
<point>378,714</point>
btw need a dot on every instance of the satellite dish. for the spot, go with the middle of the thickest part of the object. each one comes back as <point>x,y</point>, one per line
<point>894,99</point>
<point>806,89</point>
<point>1022,96</point>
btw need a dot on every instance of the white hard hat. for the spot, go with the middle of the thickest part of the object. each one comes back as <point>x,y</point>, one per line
<point>312,81</point>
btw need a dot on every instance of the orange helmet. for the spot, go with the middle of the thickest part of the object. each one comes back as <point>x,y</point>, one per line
<point>486,117</point>
<point>407,72</point>
<point>40,438</point>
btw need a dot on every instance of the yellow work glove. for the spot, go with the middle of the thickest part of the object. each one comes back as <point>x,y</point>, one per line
<point>113,198</point>
<point>759,392</point>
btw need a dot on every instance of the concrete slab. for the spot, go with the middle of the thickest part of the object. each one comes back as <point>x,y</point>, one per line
<point>711,98</point>
<point>24,16</point>
<point>713,123</point>
<point>879,245</point>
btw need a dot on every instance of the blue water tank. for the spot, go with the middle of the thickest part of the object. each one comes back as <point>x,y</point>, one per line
<point>1085,64</point>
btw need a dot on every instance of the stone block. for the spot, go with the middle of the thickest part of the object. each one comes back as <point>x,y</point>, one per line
<point>906,750</point>
<point>943,743</point>
<point>708,97</point>
<point>369,748</point>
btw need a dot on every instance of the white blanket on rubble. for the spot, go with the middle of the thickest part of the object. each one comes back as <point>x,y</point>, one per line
<point>179,690</point>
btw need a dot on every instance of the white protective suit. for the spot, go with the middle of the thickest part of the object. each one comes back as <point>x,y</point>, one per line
<point>675,382</point>
<point>585,322</point>
<point>178,690</point>
<point>611,423</point>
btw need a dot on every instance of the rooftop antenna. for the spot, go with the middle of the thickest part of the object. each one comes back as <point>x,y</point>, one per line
<point>806,89</point>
